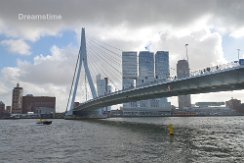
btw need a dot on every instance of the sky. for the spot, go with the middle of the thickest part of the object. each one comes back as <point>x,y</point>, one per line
<point>41,54</point>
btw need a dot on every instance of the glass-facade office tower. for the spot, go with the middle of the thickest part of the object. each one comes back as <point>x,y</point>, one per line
<point>162,65</point>
<point>183,71</point>
<point>146,67</point>
<point>151,68</point>
<point>129,74</point>
<point>162,73</point>
<point>146,74</point>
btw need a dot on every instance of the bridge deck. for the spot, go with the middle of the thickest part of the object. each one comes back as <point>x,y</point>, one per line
<point>224,80</point>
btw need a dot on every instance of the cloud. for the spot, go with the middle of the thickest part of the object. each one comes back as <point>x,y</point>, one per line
<point>56,67</point>
<point>238,33</point>
<point>48,75</point>
<point>223,15</point>
<point>17,46</point>
<point>204,46</point>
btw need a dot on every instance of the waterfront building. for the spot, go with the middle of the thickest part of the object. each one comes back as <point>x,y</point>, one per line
<point>235,104</point>
<point>146,112</point>
<point>146,74</point>
<point>39,104</point>
<point>102,85</point>
<point>146,67</point>
<point>162,73</point>
<point>162,65</point>
<point>209,104</point>
<point>2,107</point>
<point>8,109</point>
<point>129,74</point>
<point>150,68</point>
<point>17,100</point>
<point>103,88</point>
<point>182,72</point>
<point>206,111</point>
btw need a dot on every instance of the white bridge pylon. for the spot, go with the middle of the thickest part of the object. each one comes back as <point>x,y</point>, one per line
<point>82,58</point>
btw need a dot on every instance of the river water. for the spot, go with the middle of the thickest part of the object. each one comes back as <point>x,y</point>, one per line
<point>196,139</point>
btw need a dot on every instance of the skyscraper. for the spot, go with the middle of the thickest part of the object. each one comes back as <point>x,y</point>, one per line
<point>183,71</point>
<point>162,65</point>
<point>129,74</point>
<point>129,69</point>
<point>17,100</point>
<point>146,73</point>
<point>146,67</point>
<point>162,73</point>
<point>103,88</point>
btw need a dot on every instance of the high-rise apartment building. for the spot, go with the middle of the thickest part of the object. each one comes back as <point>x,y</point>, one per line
<point>129,74</point>
<point>183,71</point>
<point>17,100</point>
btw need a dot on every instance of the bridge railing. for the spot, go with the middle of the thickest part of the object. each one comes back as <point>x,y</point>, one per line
<point>201,72</point>
<point>214,69</point>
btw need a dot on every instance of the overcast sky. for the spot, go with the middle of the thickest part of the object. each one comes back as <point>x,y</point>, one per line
<point>41,55</point>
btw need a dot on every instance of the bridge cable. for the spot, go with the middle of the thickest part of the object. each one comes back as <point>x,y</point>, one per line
<point>116,60</point>
<point>104,70</point>
<point>92,38</point>
<point>108,62</point>
<point>118,55</point>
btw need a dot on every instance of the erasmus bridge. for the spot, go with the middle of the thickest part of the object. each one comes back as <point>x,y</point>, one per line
<point>220,78</point>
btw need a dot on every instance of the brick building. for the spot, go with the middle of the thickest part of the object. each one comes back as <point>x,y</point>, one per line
<point>39,104</point>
